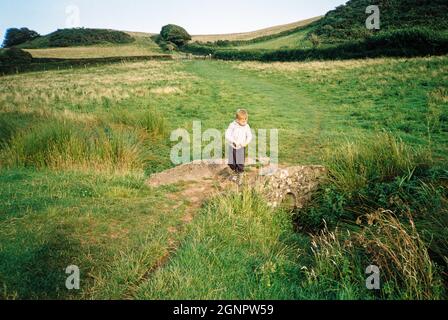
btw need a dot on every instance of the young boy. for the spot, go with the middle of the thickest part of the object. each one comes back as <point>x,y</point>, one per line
<point>238,136</point>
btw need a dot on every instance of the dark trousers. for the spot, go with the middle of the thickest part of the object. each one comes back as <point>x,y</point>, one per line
<point>237,159</point>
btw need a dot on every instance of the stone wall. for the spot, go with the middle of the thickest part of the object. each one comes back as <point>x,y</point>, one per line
<point>292,187</point>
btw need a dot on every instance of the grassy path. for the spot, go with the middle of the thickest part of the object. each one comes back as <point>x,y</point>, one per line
<point>271,103</point>
<point>236,247</point>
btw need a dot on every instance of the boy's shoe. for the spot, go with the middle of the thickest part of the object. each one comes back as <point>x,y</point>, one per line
<point>240,178</point>
<point>234,178</point>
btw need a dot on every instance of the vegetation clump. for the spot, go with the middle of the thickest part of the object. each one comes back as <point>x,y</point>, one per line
<point>15,36</point>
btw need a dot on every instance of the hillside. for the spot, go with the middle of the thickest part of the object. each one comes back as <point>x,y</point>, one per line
<point>290,39</point>
<point>254,34</point>
<point>78,37</point>
<point>347,22</point>
<point>408,28</point>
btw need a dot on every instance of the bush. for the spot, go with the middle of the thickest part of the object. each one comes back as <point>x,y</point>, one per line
<point>175,34</point>
<point>16,36</point>
<point>15,56</point>
<point>418,40</point>
<point>195,48</point>
<point>167,46</point>
<point>223,43</point>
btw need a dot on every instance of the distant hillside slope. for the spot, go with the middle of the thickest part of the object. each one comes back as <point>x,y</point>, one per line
<point>347,22</point>
<point>141,45</point>
<point>408,28</point>
<point>290,39</point>
<point>254,34</point>
<point>78,37</point>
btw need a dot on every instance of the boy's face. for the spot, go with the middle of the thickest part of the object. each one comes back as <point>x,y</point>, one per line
<point>242,121</point>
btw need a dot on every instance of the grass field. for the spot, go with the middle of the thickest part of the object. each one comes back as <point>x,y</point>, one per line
<point>142,46</point>
<point>75,154</point>
<point>292,41</point>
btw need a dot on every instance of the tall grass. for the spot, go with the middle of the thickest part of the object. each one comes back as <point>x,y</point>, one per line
<point>70,145</point>
<point>392,204</point>
<point>398,249</point>
<point>336,270</point>
<point>340,259</point>
<point>236,249</point>
<point>152,121</point>
<point>382,158</point>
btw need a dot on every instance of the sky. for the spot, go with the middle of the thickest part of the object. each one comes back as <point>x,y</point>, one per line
<point>196,16</point>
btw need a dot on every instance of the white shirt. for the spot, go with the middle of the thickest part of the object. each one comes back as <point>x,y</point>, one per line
<point>239,135</point>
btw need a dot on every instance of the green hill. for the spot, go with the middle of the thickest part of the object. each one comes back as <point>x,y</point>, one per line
<point>348,21</point>
<point>92,43</point>
<point>296,38</point>
<point>258,34</point>
<point>78,37</point>
<point>408,28</point>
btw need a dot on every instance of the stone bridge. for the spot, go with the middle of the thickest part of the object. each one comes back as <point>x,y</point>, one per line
<point>288,187</point>
<point>292,187</point>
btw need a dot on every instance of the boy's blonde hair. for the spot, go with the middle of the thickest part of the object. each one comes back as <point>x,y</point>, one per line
<point>242,114</point>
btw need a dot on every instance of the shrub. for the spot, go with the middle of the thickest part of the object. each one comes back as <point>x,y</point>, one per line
<point>14,56</point>
<point>198,49</point>
<point>412,40</point>
<point>167,46</point>
<point>16,36</point>
<point>174,34</point>
<point>223,43</point>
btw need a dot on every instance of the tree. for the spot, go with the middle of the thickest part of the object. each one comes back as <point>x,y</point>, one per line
<point>175,34</point>
<point>16,36</point>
